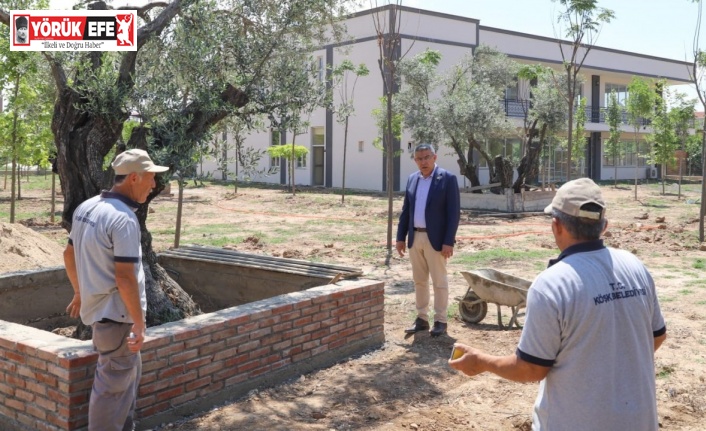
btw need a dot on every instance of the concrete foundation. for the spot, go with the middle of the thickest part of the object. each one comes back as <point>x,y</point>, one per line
<point>245,341</point>
<point>510,202</point>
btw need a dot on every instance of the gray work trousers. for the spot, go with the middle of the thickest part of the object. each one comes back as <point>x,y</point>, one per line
<point>114,393</point>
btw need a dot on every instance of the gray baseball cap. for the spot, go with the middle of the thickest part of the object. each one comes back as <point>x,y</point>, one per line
<point>573,195</point>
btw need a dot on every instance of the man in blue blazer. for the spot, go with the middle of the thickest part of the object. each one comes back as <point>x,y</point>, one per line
<point>429,219</point>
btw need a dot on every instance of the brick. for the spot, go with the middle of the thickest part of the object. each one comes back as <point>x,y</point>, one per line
<point>36,363</point>
<point>336,344</point>
<point>292,333</point>
<point>198,383</point>
<point>319,350</point>
<point>26,420</point>
<point>184,356</point>
<point>282,345</point>
<point>259,353</point>
<point>331,338</point>
<point>259,371</point>
<point>154,365</point>
<point>300,340</point>
<point>166,352</point>
<point>15,404</point>
<point>259,315</point>
<point>311,344</point>
<point>189,396</point>
<point>339,311</point>
<point>196,342</point>
<point>236,341</point>
<point>184,378</point>
<point>248,327</point>
<point>15,381</point>
<point>36,388</point>
<point>225,374</point>
<point>238,321</point>
<point>60,421</point>
<point>320,333</point>
<point>290,316</point>
<point>7,412</point>
<point>302,321</point>
<point>212,347</point>
<point>255,335</point>
<point>170,393</point>
<point>154,409</point>
<point>224,333</point>
<point>211,368</point>
<point>271,340</point>
<point>236,360</point>
<point>310,310</point>
<point>224,354</point>
<point>45,403</point>
<point>144,402</point>
<point>292,352</point>
<point>170,371</point>
<point>312,327</point>
<point>198,362</point>
<point>302,304</point>
<point>280,364</point>
<point>270,321</point>
<point>15,357</point>
<point>248,366</point>
<point>281,327</point>
<point>37,412</point>
<point>240,378</point>
<point>186,334</point>
<point>153,387</point>
<point>282,309</point>
<point>249,346</point>
<point>345,301</point>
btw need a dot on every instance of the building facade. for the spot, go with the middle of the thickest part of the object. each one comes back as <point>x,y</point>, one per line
<point>604,70</point>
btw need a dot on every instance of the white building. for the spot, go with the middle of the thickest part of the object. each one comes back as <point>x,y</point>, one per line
<point>604,69</point>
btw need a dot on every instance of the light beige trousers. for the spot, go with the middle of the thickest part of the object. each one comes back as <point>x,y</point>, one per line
<point>428,262</point>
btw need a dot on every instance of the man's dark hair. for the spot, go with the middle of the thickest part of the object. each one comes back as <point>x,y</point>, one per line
<point>21,22</point>
<point>583,229</point>
<point>424,147</point>
<point>119,179</point>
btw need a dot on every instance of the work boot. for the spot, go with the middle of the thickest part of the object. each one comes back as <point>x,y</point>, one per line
<point>438,329</point>
<point>419,325</point>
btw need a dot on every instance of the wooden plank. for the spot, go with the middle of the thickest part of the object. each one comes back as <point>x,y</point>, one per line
<point>483,187</point>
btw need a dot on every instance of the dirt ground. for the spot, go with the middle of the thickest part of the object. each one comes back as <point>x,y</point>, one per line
<point>407,384</point>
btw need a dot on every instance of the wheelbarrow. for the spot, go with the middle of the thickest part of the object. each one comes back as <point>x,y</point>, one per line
<point>491,286</point>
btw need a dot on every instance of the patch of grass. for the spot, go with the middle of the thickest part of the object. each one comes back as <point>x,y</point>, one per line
<point>665,372</point>
<point>686,292</point>
<point>452,311</point>
<point>699,264</point>
<point>495,255</point>
<point>665,299</point>
<point>700,283</point>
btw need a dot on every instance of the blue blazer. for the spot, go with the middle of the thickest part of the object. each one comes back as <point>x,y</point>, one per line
<point>442,212</point>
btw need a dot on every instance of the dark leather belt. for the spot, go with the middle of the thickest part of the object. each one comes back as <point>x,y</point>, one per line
<point>420,229</point>
<point>106,320</point>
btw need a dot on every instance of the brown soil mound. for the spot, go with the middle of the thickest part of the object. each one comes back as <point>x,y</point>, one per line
<point>23,249</point>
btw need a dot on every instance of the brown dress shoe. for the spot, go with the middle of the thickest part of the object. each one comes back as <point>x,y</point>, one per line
<point>419,325</point>
<point>438,329</point>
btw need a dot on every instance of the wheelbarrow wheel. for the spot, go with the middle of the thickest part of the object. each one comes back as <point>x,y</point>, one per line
<point>472,313</point>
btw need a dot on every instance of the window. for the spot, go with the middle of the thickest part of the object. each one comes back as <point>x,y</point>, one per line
<point>507,147</point>
<point>621,91</point>
<point>301,161</point>
<point>317,136</point>
<point>627,156</point>
<point>275,139</point>
<point>320,68</point>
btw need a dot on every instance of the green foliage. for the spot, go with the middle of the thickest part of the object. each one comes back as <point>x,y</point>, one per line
<point>663,138</point>
<point>612,145</point>
<point>287,151</point>
<point>640,102</point>
<point>380,116</point>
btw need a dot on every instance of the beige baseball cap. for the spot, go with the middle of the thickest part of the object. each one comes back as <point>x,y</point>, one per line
<point>573,195</point>
<point>137,161</point>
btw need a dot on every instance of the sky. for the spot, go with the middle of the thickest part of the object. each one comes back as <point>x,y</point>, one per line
<point>662,28</point>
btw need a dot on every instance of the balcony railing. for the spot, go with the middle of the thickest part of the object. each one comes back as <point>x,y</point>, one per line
<point>519,108</point>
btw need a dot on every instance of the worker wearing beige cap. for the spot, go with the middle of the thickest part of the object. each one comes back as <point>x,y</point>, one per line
<point>104,263</point>
<point>592,326</point>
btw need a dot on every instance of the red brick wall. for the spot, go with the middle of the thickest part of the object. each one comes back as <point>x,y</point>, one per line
<point>45,379</point>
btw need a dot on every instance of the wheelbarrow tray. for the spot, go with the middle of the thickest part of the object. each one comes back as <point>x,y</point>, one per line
<point>491,286</point>
<point>497,287</point>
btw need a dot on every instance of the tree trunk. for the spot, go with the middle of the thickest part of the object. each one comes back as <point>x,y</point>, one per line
<point>180,206</point>
<point>343,174</point>
<point>529,165</point>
